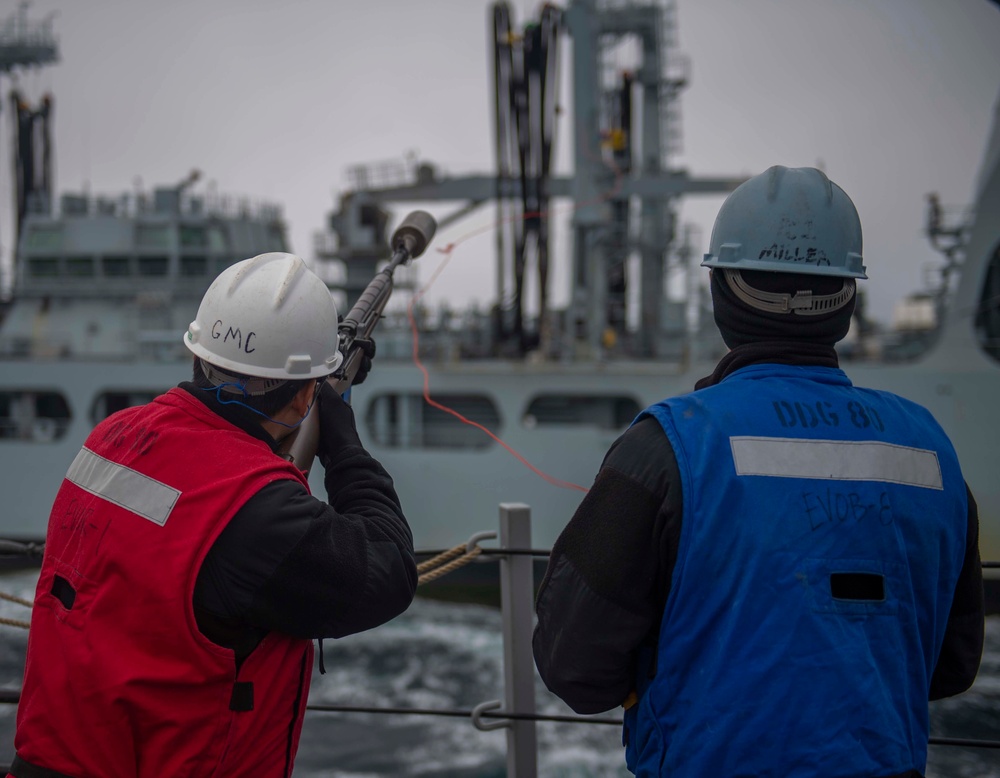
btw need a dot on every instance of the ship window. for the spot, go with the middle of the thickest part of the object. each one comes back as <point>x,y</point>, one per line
<point>115,267</point>
<point>216,240</point>
<point>43,267</point>
<point>153,236</point>
<point>608,412</point>
<point>80,266</point>
<point>194,266</point>
<point>405,420</point>
<point>193,237</point>
<point>26,415</point>
<point>153,266</point>
<point>43,238</point>
<point>988,313</point>
<point>112,402</point>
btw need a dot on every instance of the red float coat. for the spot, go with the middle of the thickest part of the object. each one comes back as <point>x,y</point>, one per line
<point>119,681</point>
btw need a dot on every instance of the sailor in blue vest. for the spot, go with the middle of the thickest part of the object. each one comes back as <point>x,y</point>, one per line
<point>774,573</point>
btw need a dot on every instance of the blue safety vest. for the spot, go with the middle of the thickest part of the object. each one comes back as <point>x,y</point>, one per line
<point>823,532</point>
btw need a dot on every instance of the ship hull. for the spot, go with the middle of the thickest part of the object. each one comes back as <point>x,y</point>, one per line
<point>451,493</point>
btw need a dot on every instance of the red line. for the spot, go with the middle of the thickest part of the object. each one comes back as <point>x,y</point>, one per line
<point>434,404</point>
<point>447,251</point>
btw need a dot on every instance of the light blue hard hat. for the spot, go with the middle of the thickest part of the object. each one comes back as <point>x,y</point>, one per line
<point>788,220</point>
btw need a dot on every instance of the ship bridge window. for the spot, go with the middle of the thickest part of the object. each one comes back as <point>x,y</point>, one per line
<point>112,402</point>
<point>43,267</point>
<point>43,238</point>
<point>404,420</point>
<point>216,240</point>
<point>608,412</point>
<point>193,236</point>
<point>194,266</point>
<point>80,266</point>
<point>37,416</point>
<point>153,266</point>
<point>116,267</point>
<point>988,313</point>
<point>153,236</point>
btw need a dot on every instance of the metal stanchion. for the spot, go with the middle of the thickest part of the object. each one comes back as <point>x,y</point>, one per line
<point>517,602</point>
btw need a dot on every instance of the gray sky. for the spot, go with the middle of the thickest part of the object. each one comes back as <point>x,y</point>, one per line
<point>274,100</point>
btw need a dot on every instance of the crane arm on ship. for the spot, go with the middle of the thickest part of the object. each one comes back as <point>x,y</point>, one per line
<point>408,242</point>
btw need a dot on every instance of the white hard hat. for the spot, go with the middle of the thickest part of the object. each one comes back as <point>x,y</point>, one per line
<point>268,317</point>
<point>788,220</point>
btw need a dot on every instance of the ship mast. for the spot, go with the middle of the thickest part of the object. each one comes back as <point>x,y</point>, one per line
<point>624,190</point>
<point>608,147</point>
<point>26,44</point>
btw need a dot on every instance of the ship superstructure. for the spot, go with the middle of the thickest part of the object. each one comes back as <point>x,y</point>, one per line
<point>102,279</point>
<point>623,192</point>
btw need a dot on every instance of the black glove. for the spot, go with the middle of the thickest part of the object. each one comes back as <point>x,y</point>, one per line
<point>367,346</point>
<point>336,421</point>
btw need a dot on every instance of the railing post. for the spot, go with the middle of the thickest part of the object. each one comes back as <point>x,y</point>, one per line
<point>517,593</point>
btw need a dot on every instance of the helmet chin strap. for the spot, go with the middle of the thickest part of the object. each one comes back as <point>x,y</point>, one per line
<point>252,387</point>
<point>237,387</point>
<point>802,303</point>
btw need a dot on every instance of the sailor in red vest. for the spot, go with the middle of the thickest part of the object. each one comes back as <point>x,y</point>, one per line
<point>187,566</point>
<point>774,573</point>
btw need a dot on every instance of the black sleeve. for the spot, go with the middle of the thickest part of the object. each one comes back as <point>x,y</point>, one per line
<point>289,562</point>
<point>962,650</point>
<point>609,574</point>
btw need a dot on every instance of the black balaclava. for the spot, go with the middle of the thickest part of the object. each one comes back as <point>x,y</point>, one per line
<point>783,338</point>
<point>741,325</point>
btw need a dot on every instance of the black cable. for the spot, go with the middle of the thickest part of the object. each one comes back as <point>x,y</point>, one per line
<point>13,695</point>
<point>462,713</point>
<point>502,66</point>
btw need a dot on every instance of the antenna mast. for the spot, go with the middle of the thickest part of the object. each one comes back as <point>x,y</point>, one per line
<point>25,44</point>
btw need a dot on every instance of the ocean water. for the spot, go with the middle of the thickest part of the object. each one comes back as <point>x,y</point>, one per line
<point>445,656</point>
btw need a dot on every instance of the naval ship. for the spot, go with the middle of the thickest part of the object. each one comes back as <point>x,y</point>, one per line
<point>471,409</point>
